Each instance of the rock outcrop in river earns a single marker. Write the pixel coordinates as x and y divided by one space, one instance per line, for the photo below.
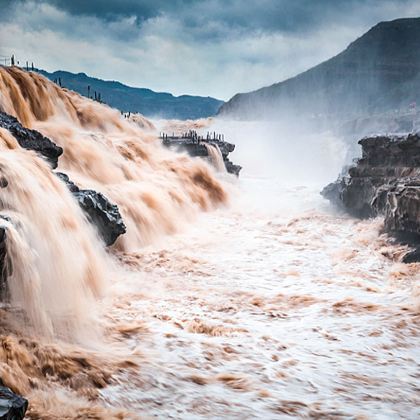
100 211
385 181
31 139
198 146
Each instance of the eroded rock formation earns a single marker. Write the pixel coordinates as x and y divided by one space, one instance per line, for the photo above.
196 147
385 181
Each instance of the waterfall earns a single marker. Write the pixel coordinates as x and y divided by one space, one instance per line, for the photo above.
216 156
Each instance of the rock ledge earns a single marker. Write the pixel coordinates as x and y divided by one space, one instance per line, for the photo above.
385 181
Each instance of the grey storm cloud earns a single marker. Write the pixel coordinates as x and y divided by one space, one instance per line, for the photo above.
111 10
262 15
207 47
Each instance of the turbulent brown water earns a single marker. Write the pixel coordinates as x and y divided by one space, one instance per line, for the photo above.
271 307
155 190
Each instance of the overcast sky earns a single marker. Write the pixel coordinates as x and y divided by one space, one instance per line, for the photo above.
200 47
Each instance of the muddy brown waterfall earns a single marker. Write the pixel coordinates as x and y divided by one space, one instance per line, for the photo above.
56 264
155 190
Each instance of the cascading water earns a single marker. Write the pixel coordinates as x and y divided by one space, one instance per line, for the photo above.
55 265
156 190
216 156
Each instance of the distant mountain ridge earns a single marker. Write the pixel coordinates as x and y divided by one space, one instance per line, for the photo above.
142 100
377 73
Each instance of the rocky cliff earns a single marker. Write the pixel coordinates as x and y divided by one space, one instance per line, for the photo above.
385 181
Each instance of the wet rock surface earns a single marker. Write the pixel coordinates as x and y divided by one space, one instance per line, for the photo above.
4 274
385 181
101 212
195 146
12 406
31 139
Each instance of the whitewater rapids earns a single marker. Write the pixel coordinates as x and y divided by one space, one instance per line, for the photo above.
253 315
272 305
276 307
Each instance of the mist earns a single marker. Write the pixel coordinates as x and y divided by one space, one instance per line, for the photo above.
291 155
372 86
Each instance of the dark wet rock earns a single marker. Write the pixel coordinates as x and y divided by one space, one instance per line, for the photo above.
231 167
353 195
100 211
195 146
402 211
391 151
104 215
385 181
4 291
70 184
31 139
412 256
12 406
333 191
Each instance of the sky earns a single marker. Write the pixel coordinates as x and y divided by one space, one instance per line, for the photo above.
199 47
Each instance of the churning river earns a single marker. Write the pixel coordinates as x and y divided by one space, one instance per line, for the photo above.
245 298
275 306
